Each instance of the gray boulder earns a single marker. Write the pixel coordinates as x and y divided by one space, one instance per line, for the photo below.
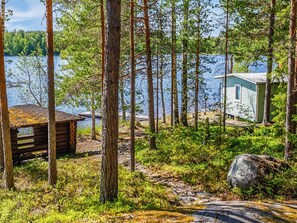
249 170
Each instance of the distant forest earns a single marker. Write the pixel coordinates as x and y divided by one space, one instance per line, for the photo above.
25 43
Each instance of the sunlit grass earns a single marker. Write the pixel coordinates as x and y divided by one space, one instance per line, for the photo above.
76 195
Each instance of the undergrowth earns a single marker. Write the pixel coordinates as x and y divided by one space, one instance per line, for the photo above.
204 161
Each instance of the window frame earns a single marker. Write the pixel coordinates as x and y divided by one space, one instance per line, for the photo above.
240 92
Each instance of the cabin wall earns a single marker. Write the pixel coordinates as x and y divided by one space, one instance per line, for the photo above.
36 143
246 107
14 143
63 138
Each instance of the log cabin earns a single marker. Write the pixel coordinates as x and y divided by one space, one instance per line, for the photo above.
29 132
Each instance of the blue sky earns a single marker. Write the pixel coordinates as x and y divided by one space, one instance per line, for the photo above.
29 15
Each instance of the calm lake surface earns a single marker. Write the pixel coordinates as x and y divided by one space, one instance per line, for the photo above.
211 66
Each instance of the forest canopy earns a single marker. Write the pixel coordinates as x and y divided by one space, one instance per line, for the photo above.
25 42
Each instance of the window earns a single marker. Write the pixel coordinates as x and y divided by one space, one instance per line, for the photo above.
237 92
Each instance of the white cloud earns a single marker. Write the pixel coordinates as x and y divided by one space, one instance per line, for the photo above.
35 12
27 15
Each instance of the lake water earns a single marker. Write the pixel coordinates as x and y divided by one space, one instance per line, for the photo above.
211 66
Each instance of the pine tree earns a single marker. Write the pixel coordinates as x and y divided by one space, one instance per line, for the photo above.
291 78
133 74
109 165
6 142
174 92
185 40
52 162
267 101
149 77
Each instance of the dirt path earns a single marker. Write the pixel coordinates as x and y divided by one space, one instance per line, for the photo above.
215 210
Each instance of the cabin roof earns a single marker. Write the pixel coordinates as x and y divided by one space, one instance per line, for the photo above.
32 115
255 78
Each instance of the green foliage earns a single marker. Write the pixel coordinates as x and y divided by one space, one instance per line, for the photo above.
76 195
22 42
80 84
184 153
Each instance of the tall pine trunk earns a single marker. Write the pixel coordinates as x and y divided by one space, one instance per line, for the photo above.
109 165
102 20
184 108
226 66
197 71
123 106
162 64
133 74
291 77
174 92
267 101
93 115
1 142
149 77
157 87
162 88
52 162
7 153
1 149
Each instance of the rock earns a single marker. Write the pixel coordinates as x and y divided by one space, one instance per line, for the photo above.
249 170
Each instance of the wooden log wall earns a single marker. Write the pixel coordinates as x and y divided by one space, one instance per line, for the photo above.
28 146
14 143
63 138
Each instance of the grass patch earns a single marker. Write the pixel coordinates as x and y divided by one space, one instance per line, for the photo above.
186 154
76 195
86 130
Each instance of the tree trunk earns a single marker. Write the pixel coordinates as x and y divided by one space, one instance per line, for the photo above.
52 162
174 92
1 149
1 142
291 77
93 129
149 77
184 109
102 20
267 101
197 71
133 74
226 65
7 153
109 165
162 64
231 64
157 88
124 117
162 89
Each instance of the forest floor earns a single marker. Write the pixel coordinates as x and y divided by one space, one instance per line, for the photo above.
183 181
191 200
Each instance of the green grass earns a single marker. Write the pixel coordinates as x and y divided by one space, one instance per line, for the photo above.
184 153
86 130
76 195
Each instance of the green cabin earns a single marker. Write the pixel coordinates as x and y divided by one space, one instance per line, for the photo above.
245 95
